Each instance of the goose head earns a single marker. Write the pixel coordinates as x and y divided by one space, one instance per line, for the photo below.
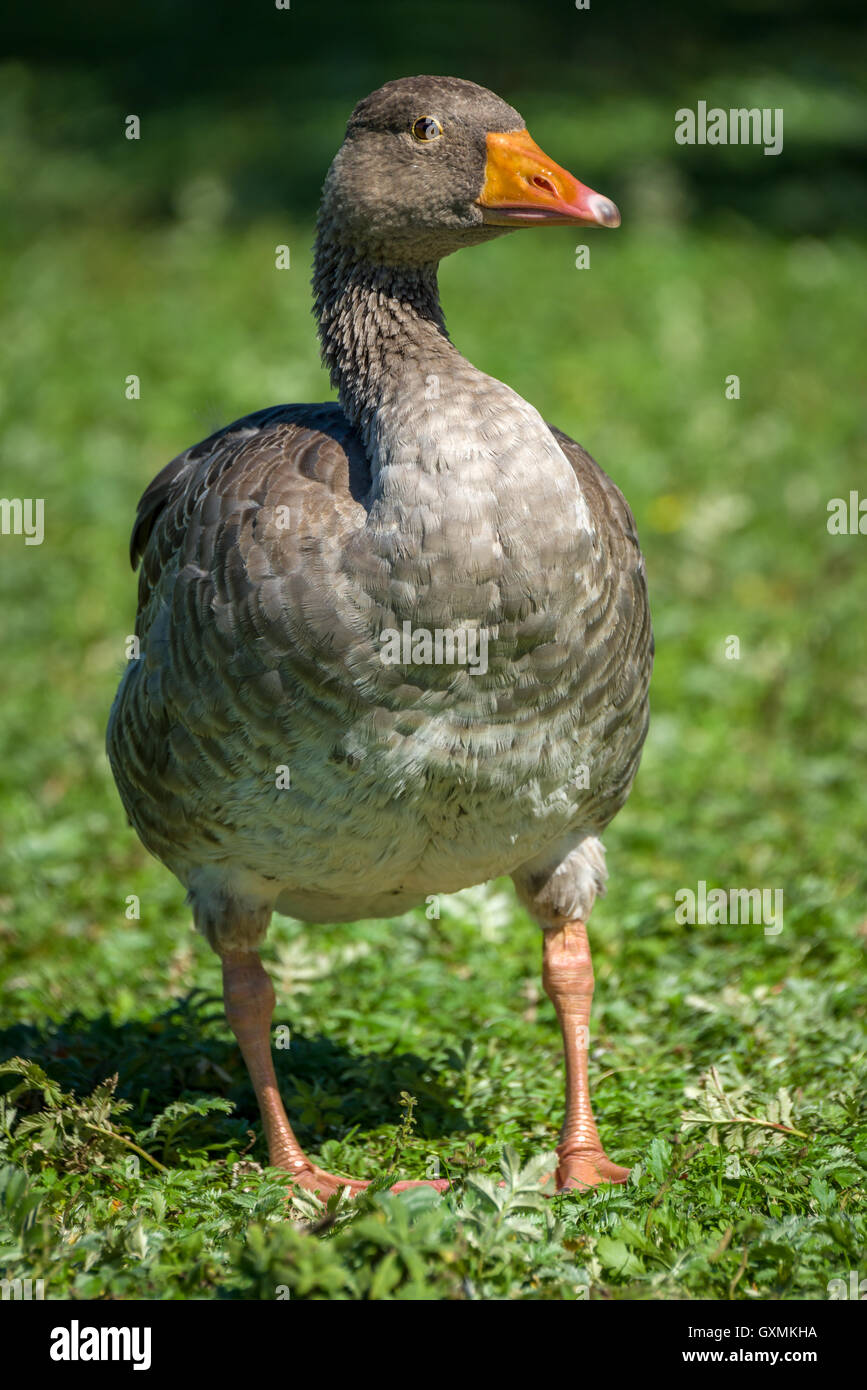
431 164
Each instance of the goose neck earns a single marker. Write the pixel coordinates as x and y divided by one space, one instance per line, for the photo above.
382 333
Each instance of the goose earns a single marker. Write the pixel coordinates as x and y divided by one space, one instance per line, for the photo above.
398 644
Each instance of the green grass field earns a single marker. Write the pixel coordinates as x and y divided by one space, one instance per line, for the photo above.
149 1185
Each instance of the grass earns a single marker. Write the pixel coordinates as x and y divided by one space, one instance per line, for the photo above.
417 1043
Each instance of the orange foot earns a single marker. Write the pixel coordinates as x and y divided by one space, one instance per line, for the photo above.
586 1168
324 1185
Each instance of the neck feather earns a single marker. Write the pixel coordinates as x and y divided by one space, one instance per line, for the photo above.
381 328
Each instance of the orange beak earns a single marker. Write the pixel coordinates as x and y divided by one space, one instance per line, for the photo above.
524 188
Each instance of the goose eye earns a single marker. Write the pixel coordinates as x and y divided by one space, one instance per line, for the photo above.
427 128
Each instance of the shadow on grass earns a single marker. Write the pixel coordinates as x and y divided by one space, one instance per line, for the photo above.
183 1054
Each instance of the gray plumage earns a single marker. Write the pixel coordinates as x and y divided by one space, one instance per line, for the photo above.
275 554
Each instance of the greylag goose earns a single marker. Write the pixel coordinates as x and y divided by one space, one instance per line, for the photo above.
399 645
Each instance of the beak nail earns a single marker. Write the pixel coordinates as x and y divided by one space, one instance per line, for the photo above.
604 211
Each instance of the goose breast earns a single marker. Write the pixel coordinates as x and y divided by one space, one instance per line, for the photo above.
263 737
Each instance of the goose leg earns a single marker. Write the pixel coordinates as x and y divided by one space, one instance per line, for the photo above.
567 976
249 999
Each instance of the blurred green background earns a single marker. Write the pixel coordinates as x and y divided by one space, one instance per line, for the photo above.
156 258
